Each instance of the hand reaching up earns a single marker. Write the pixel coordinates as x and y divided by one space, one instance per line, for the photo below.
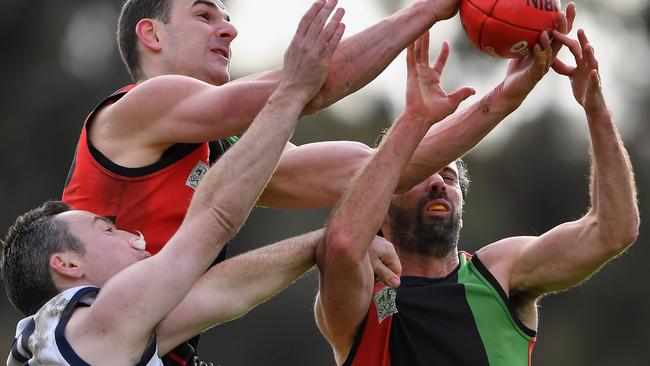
585 80
425 99
307 60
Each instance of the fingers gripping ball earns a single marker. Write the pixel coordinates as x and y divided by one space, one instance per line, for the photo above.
507 28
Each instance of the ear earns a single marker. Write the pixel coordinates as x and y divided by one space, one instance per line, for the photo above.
147 31
67 264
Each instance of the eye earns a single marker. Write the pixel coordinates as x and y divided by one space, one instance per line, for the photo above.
205 16
448 178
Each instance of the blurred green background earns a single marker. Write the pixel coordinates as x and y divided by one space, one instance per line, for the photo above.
60 60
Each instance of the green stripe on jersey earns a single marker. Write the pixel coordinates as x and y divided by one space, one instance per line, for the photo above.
505 343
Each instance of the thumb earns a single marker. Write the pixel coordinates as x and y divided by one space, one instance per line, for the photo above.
461 94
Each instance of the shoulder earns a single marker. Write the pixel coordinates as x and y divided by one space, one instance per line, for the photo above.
159 91
501 256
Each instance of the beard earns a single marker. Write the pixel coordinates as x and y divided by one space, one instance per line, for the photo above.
432 236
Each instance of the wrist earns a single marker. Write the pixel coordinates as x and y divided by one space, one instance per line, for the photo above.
293 93
598 114
436 13
423 13
498 101
414 121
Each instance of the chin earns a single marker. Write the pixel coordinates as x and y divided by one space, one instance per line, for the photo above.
219 78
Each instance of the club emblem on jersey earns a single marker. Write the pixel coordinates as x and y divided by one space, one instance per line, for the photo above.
196 175
385 303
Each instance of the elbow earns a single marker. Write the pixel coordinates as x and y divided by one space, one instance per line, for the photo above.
630 231
626 232
619 236
340 246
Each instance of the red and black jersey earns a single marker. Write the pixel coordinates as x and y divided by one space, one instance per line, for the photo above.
152 199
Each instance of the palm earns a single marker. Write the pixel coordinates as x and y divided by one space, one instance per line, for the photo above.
584 76
425 99
579 81
424 94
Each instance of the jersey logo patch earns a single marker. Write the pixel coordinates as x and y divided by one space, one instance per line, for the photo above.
385 303
196 175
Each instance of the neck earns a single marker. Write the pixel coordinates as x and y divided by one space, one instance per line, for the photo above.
415 264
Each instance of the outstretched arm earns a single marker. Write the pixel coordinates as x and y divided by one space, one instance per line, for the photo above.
346 277
461 131
314 175
177 109
236 286
135 300
363 56
571 252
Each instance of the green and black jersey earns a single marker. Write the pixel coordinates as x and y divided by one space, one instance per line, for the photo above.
462 319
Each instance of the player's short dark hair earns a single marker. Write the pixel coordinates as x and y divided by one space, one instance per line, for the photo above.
132 12
463 173
26 252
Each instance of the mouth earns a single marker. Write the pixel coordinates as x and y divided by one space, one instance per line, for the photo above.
221 52
438 206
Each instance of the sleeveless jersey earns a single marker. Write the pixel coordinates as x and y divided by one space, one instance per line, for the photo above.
40 338
151 199
462 319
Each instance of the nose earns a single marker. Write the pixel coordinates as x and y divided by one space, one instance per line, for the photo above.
227 31
436 183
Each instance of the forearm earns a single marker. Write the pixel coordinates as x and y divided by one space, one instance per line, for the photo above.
254 277
613 186
454 136
227 197
236 286
366 202
361 57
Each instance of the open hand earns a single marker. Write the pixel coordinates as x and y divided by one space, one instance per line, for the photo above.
307 60
585 80
425 99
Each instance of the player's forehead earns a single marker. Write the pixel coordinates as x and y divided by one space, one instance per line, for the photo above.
210 5
217 4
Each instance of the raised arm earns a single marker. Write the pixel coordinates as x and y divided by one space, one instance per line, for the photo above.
461 131
134 301
363 56
346 279
314 175
571 252
177 109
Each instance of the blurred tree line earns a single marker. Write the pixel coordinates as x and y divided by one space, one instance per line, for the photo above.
53 75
